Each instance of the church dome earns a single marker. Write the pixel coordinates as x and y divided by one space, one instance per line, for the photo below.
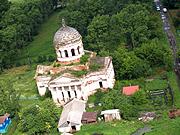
66 35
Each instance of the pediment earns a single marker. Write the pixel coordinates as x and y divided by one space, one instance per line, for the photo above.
65 79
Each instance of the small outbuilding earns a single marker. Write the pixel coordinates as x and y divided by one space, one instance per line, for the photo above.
5 121
130 90
70 120
89 117
110 115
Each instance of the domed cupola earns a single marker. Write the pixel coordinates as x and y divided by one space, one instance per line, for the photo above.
68 44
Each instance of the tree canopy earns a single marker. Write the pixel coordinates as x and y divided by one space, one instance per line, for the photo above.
39 118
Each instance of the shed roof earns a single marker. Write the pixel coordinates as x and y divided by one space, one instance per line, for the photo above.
3 118
110 111
72 113
130 90
89 116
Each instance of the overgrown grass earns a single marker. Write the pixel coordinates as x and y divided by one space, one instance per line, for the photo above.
22 79
111 128
165 126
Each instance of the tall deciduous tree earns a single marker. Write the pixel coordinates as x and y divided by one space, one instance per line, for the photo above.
127 65
133 21
155 54
98 32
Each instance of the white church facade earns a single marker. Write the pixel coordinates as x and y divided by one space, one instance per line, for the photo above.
61 81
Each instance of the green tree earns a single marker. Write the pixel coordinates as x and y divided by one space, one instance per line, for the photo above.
133 22
75 19
98 32
155 54
128 66
115 100
39 118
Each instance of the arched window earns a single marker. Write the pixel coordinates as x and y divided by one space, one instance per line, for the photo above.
72 52
66 53
60 53
78 49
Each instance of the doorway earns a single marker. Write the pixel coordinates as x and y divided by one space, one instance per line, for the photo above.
100 84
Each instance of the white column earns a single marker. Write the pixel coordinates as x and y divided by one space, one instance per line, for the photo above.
66 97
72 93
78 92
76 52
58 53
54 95
69 53
63 54
59 95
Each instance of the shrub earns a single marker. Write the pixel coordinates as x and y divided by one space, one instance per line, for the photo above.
94 67
84 59
79 73
155 54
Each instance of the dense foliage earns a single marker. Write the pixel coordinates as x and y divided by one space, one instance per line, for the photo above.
39 118
4 5
9 99
129 106
18 26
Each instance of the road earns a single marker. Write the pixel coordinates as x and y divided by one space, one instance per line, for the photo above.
170 35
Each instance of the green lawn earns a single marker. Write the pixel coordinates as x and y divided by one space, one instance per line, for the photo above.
111 128
22 79
165 126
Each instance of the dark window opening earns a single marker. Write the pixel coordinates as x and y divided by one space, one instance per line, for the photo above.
73 127
78 49
63 95
60 53
100 84
69 94
75 93
73 52
66 53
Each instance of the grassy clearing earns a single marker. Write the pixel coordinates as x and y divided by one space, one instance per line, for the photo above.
22 79
165 126
111 128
